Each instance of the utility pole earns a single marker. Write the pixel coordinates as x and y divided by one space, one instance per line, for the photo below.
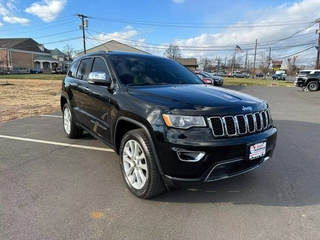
245 63
84 24
233 61
254 59
318 47
269 60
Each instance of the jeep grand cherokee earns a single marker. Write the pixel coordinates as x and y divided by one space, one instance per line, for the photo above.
167 127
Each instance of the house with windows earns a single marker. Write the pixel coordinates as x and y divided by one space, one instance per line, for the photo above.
21 54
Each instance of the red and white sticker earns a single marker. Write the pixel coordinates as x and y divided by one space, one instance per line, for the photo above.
257 150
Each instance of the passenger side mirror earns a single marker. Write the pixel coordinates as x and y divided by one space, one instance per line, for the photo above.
99 78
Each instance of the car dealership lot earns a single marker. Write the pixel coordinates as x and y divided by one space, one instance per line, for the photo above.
52 187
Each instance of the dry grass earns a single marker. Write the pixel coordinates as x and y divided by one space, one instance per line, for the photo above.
28 97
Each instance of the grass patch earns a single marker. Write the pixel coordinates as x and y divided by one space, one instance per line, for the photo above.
256 82
39 76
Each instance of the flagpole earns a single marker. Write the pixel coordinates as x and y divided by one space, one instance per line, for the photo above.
233 60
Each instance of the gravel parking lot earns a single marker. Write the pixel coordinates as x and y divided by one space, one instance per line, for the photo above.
52 187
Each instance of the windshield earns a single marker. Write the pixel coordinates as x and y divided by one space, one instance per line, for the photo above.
146 70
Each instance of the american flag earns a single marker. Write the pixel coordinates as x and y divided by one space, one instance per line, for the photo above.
238 49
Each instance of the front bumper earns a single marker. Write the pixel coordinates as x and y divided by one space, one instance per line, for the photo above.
222 159
299 83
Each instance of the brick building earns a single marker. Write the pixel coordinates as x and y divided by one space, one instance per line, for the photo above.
21 54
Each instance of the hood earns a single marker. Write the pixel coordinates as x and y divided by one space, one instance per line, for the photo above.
198 97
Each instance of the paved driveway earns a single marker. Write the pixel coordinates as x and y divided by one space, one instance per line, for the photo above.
52 187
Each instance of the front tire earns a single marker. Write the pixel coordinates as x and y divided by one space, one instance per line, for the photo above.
138 165
313 86
70 128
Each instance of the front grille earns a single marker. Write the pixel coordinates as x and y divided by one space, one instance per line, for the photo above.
237 125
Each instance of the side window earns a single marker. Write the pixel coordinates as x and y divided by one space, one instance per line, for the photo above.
73 69
84 69
317 73
99 65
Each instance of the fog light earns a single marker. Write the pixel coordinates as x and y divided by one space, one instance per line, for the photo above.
189 156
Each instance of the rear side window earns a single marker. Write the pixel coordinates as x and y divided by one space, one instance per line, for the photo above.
73 69
84 69
315 73
304 72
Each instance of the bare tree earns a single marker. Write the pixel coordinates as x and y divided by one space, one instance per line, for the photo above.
173 52
69 51
292 67
206 64
265 62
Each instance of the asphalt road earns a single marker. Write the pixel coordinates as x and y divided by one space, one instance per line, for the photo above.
52 187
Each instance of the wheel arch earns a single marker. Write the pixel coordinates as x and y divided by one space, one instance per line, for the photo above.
312 80
125 124
63 100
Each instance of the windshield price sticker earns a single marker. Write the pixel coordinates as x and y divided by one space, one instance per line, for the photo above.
257 150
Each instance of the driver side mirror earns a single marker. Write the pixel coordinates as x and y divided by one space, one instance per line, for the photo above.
99 78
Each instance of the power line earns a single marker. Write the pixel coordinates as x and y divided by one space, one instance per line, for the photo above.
201 25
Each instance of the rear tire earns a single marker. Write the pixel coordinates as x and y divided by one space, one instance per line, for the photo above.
313 86
70 128
138 165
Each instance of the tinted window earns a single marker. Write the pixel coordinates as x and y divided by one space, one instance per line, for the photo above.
99 65
73 69
155 70
84 69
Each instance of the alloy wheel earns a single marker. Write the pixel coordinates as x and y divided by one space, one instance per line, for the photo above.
135 164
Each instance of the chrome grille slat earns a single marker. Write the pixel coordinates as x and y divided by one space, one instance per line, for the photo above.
241 124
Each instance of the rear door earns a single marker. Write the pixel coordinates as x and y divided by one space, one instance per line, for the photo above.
81 92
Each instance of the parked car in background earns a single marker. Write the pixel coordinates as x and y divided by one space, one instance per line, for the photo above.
35 70
205 79
221 74
59 70
279 76
259 74
208 78
239 75
308 80
218 81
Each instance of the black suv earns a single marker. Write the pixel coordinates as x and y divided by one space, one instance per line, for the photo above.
167 127
308 80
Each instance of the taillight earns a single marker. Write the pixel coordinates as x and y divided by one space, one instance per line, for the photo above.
207 80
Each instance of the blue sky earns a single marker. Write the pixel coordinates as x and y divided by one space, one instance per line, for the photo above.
200 28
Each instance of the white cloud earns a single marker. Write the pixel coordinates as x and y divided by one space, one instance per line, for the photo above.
275 27
47 10
3 10
16 20
178 1
7 11
123 37
11 5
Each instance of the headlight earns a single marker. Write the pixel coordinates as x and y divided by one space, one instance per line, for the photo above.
184 122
